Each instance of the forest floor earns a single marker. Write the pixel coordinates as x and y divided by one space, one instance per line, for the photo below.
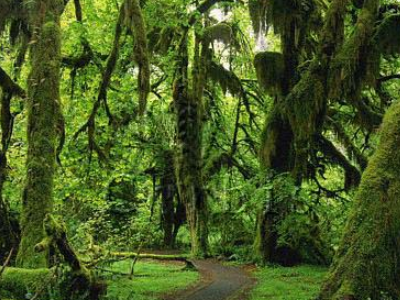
295 283
218 282
215 280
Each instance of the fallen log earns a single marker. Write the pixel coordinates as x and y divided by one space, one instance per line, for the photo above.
183 258
161 257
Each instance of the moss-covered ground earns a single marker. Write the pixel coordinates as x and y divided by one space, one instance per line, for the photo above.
153 279
297 283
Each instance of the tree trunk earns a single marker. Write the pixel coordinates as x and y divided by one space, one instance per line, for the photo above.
168 193
189 178
43 112
278 154
366 264
8 231
188 108
179 219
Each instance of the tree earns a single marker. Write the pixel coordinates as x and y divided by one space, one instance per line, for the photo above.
339 67
44 115
365 264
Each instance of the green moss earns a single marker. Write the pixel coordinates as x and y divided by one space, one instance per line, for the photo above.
43 109
367 259
270 71
135 21
354 67
279 14
17 283
221 32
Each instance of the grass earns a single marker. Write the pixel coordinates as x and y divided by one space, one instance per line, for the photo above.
152 281
297 283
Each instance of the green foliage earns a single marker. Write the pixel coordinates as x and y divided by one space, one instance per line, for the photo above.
114 202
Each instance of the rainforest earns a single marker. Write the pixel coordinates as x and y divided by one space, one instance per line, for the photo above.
200 149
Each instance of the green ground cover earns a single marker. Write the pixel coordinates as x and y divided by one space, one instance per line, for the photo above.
151 282
297 283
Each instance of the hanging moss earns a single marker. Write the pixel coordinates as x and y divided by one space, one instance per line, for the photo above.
258 14
277 152
227 80
160 42
281 13
135 21
306 104
387 35
366 264
270 71
355 65
221 32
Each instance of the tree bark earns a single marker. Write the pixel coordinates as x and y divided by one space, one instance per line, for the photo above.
43 112
366 264
8 230
188 107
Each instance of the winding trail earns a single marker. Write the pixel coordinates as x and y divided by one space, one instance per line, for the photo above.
218 282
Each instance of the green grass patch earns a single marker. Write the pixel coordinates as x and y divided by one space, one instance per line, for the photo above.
153 280
297 283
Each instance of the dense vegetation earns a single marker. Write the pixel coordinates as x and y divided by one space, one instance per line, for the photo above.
255 131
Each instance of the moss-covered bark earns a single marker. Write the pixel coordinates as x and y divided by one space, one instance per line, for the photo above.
135 20
277 149
78 282
189 176
173 210
300 106
189 157
43 111
366 264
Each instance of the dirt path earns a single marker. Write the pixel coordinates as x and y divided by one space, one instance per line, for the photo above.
218 282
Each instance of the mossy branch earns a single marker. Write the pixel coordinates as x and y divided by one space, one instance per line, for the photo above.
9 86
134 19
352 174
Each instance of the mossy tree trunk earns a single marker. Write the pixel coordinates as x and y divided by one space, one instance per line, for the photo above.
173 211
43 113
366 264
189 156
278 135
298 113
